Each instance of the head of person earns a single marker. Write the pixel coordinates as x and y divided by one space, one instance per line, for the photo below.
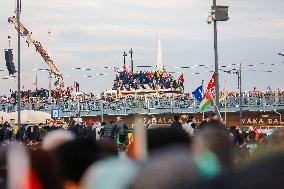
216 140
160 138
55 139
190 119
262 139
277 138
214 116
176 117
251 136
207 117
77 155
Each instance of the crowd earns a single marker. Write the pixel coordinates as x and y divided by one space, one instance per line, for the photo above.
145 80
112 155
70 95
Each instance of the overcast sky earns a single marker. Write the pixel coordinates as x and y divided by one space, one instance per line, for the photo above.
95 33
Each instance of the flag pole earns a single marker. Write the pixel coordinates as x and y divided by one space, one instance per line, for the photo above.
203 115
218 110
225 101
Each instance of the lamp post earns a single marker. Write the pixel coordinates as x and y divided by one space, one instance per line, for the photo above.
241 96
131 55
219 13
49 83
217 90
124 61
239 74
18 12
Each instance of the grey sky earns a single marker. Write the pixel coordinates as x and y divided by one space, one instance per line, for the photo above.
94 33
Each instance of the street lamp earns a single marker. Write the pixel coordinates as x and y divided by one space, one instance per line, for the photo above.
49 84
18 12
219 13
239 74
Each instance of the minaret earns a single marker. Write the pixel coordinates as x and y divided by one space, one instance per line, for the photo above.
160 65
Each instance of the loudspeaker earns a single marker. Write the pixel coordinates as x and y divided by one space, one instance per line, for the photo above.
9 61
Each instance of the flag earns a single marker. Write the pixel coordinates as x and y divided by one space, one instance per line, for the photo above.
124 67
254 88
208 99
198 93
171 78
181 88
181 79
223 93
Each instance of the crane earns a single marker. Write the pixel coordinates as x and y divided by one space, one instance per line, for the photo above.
39 48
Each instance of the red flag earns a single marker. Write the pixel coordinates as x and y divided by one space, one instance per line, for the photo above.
254 88
211 87
124 67
181 78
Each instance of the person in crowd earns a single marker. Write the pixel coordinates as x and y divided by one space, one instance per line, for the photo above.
33 133
262 139
21 134
74 128
77 155
110 173
56 138
1 133
217 141
84 131
100 130
277 138
204 123
121 131
251 145
170 160
109 131
215 117
177 124
190 126
8 132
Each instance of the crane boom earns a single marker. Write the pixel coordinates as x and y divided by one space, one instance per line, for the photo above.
39 48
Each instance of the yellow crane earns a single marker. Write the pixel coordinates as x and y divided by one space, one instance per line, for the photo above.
39 48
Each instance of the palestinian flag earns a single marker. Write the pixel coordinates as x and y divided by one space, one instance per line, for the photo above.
208 98
207 101
181 86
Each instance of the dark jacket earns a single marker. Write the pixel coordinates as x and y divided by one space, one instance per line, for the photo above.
108 130
121 128
176 125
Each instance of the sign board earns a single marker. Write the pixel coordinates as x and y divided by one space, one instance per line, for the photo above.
55 114
221 13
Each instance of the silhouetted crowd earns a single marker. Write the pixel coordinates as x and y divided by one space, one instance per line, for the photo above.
115 155
145 80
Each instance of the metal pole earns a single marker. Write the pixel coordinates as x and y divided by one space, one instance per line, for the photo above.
217 90
132 65
225 102
18 12
241 97
203 115
9 38
36 80
50 98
